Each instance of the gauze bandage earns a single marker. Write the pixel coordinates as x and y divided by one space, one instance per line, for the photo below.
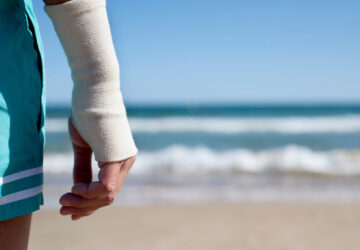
97 110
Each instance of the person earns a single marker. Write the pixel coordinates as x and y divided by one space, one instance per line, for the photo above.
97 122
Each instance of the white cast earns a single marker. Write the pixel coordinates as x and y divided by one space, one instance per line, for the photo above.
97 111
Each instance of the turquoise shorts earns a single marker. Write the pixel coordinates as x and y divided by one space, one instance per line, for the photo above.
22 110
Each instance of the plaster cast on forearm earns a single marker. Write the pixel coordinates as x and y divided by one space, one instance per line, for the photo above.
98 111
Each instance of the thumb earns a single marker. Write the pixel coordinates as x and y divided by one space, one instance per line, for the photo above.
109 175
82 172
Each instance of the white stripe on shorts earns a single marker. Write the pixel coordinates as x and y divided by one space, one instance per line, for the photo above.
21 195
20 175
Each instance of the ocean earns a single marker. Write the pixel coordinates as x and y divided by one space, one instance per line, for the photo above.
226 153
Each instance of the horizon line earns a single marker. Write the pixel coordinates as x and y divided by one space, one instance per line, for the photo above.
222 104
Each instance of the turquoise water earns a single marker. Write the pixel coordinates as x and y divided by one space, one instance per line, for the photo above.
254 110
258 152
221 128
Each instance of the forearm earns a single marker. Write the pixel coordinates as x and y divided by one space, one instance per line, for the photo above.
98 111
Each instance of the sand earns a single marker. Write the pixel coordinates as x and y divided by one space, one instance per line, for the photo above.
248 226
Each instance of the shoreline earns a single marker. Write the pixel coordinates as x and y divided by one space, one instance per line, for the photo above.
250 226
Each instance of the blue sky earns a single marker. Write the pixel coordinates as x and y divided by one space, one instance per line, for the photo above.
197 51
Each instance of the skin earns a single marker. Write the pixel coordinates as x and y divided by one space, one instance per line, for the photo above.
14 233
85 197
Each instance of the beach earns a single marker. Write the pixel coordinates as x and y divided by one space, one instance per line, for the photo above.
222 178
249 226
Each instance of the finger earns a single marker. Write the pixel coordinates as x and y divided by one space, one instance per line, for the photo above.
127 165
82 172
77 211
109 175
129 161
112 174
76 217
124 170
82 156
75 136
72 200
93 190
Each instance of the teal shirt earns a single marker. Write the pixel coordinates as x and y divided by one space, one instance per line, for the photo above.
22 109
38 41
22 88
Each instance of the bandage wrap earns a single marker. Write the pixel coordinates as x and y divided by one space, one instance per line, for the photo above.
97 109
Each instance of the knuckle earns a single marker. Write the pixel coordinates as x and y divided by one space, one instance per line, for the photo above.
85 195
109 188
76 190
109 199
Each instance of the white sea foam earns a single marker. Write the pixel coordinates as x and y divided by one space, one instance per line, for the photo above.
56 125
181 160
231 125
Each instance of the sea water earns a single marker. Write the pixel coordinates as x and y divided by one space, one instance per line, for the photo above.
227 153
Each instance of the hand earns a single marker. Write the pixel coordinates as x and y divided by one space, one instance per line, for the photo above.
87 196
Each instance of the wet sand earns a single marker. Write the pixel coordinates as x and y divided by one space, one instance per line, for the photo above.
245 226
